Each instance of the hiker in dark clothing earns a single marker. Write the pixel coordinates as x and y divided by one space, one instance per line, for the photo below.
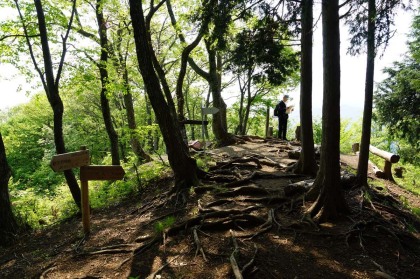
283 116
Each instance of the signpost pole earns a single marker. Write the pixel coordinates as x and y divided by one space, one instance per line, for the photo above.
67 161
85 205
85 200
202 128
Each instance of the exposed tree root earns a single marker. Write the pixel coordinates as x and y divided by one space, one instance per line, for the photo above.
382 272
220 202
244 190
49 268
112 249
266 227
219 209
154 203
240 161
233 262
246 268
198 244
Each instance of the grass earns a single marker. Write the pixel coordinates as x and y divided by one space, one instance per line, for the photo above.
38 209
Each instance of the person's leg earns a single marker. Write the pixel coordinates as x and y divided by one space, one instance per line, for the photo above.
284 129
279 131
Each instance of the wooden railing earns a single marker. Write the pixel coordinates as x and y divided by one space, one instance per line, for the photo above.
389 159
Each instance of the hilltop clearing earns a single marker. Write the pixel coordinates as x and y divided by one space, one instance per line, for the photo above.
245 219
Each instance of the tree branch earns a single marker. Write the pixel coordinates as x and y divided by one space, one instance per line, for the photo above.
191 61
17 36
31 52
64 51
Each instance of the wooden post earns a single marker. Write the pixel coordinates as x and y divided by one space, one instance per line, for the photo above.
85 201
267 121
298 133
355 147
270 131
85 206
387 170
81 159
91 172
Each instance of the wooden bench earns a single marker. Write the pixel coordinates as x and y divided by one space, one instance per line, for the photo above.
389 158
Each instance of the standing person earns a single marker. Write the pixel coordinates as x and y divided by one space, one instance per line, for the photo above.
280 111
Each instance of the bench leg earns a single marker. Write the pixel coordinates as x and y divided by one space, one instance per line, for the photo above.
387 171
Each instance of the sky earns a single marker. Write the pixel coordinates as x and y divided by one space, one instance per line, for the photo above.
352 73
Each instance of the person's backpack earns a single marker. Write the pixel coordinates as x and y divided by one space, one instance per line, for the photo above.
276 110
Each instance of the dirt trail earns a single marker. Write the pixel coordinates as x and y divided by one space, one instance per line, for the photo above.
242 219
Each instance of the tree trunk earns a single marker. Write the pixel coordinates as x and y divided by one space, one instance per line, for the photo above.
134 140
239 128
249 101
131 119
51 89
184 167
8 225
330 203
150 134
306 163
362 167
106 111
213 77
219 124
121 64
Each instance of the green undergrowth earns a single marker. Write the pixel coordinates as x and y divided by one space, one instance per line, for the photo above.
38 209
410 179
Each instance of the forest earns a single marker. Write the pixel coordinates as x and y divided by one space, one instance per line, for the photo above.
175 93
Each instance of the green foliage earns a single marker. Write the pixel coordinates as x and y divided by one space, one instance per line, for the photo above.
261 50
358 19
317 127
166 223
397 100
410 179
350 132
28 137
37 209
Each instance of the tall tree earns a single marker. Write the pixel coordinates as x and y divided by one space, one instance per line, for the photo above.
8 225
113 50
370 28
306 163
212 76
184 167
103 71
330 202
262 56
362 167
51 83
120 58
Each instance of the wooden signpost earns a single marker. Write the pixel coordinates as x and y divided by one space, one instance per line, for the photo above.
66 161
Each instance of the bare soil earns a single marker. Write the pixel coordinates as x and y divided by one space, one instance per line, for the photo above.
245 219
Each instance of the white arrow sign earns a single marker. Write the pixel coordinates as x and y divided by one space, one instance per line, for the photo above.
210 110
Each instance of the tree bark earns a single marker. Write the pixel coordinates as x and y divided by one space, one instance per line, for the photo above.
106 111
330 203
213 77
120 61
51 89
362 167
184 167
306 163
219 124
8 225
239 129
131 119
